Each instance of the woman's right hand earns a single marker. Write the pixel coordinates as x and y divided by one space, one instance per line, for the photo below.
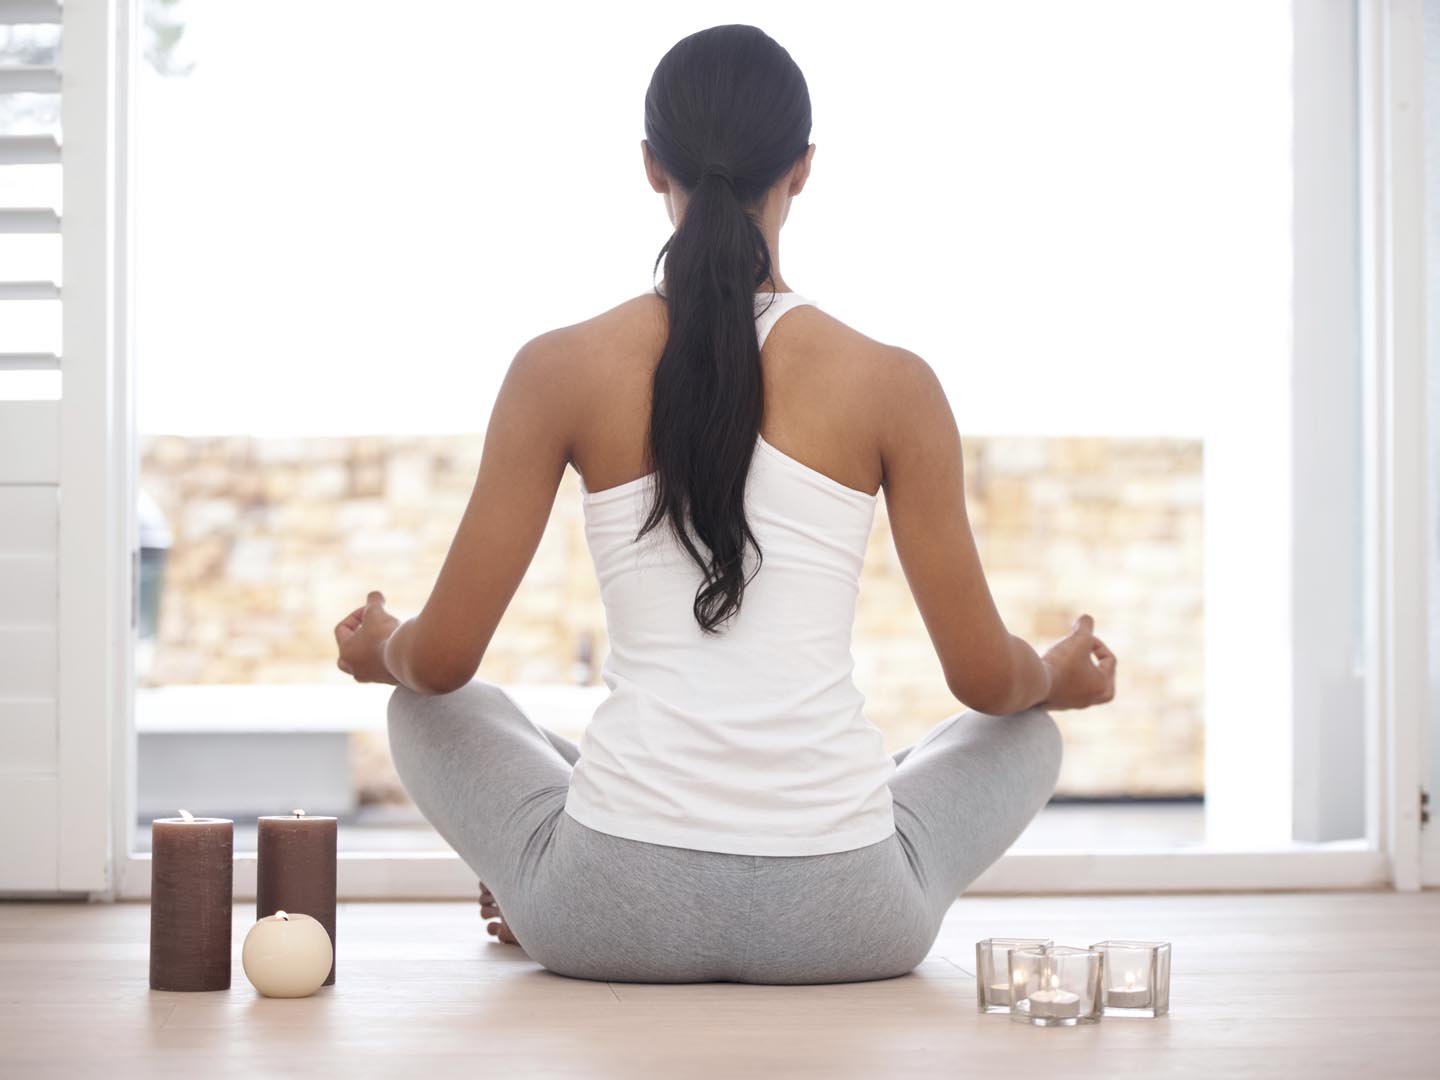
1081 668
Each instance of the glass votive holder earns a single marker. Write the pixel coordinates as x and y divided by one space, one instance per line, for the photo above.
992 970
1055 986
1137 977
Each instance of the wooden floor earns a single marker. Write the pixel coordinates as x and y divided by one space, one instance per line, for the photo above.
1328 984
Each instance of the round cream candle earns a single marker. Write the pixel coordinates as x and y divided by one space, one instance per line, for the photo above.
287 955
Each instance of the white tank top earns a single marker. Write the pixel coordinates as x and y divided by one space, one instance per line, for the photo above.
755 741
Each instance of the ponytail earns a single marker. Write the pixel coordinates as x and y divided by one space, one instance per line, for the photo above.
734 91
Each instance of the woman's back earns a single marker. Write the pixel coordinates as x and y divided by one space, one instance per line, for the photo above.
754 740
823 385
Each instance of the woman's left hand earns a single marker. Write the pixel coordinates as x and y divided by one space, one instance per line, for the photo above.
361 636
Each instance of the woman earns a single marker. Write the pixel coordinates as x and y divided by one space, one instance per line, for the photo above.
730 813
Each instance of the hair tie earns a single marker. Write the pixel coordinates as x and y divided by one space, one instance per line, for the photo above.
716 169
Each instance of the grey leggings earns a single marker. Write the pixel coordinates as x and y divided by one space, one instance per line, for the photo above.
594 906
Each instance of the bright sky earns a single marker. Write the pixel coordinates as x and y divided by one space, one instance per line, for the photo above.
349 221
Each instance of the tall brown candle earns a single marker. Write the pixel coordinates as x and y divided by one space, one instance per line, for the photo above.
191 878
296 870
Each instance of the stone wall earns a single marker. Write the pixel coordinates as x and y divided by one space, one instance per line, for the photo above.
276 539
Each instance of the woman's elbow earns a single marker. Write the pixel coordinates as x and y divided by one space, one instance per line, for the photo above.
988 694
440 676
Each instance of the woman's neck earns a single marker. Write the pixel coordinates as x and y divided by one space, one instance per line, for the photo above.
779 286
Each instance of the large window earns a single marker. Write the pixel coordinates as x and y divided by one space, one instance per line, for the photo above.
350 216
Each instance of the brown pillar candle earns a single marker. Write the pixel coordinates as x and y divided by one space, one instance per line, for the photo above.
192 873
296 870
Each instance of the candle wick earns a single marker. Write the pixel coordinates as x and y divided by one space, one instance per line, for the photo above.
186 815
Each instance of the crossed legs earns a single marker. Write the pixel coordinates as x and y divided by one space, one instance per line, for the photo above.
493 783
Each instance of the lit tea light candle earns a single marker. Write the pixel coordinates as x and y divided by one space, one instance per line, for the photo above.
1054 1003
287 955
1001 994
1133 995
992 972
1137 977
1055 985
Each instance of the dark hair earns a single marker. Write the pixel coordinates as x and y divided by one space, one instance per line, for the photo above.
727 113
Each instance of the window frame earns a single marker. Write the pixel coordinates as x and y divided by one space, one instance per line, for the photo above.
1389 163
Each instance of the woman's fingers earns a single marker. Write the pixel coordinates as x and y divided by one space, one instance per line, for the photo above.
1106 663
1106 658
348 625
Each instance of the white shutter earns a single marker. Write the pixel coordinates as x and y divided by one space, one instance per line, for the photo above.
57 452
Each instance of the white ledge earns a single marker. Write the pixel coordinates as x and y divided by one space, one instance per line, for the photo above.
309 708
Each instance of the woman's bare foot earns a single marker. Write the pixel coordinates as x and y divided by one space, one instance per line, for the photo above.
489 909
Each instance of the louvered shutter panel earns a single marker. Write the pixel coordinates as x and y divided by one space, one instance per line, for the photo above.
56 425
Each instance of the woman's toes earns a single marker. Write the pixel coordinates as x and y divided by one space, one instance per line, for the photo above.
489 909
502 931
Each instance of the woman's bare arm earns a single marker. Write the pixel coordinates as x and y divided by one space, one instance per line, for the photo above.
986 667
526 450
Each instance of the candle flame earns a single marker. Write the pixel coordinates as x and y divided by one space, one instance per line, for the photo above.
185 815
298 813
282 915
1129 980
1020 977
1054 982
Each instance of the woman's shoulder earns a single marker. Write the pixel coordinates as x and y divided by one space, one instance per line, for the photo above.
622 327
589 346
838 356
